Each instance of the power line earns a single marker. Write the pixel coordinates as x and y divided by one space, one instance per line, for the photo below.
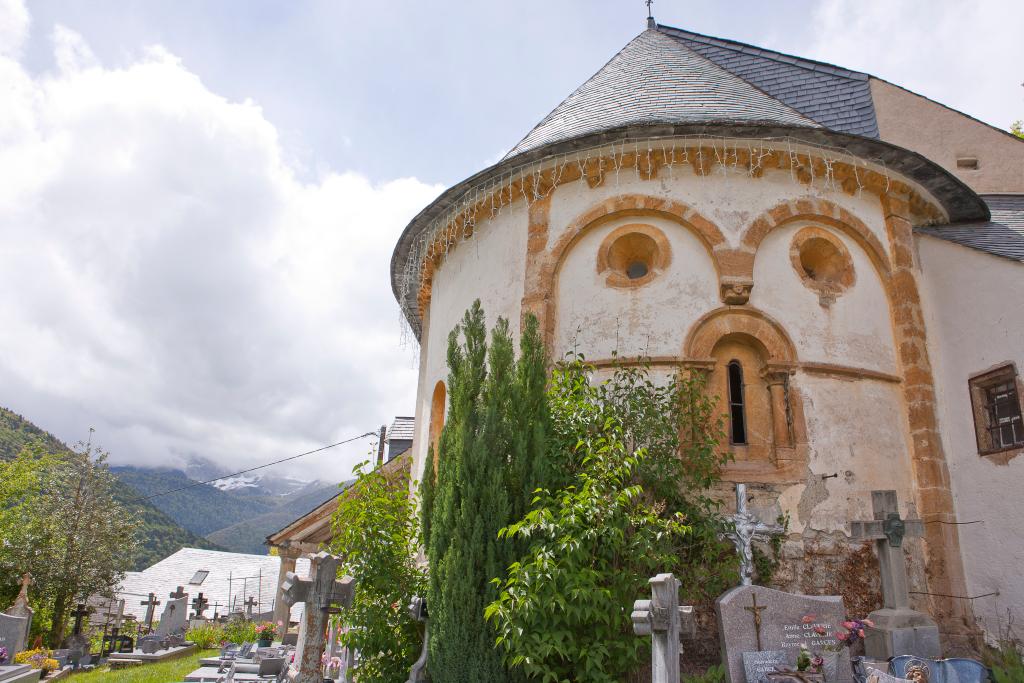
253 469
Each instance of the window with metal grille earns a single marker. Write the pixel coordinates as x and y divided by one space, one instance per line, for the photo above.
995 397
737 409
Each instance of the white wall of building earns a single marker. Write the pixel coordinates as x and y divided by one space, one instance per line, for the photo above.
975 320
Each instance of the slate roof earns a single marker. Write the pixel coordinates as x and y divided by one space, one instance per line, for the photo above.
658 79
836 98
253 575
401 429
1002 236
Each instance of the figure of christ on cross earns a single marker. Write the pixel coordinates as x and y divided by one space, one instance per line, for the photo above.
756 610
746 528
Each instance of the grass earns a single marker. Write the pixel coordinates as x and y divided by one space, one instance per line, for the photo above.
164 672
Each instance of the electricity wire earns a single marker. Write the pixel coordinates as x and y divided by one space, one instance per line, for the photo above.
253 469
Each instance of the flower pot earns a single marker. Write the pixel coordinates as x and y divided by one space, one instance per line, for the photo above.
264 642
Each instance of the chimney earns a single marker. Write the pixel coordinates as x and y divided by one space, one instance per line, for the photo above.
380 445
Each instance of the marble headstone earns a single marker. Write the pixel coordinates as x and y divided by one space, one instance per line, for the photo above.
757 664
13 632
174 617
787 621
19 673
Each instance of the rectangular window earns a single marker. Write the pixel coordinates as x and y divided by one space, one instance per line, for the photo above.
995 397
199 577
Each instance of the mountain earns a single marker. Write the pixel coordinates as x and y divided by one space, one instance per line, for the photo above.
248 535
159 534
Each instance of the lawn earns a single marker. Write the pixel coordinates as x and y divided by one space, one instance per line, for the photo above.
164 672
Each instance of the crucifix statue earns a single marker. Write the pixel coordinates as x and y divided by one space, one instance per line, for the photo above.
898 629
150 604
756 610
747 527
199 604
661 618
320 592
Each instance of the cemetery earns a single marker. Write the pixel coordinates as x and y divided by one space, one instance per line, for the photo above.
717 381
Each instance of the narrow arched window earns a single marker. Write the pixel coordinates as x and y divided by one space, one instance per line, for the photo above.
737 409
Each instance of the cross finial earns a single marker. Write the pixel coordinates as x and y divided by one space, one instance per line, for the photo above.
651 23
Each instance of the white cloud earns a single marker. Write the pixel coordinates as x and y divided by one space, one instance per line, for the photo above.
14 22
967 55
167 279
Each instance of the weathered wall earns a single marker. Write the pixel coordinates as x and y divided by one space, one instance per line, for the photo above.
975 320
943 134
842 360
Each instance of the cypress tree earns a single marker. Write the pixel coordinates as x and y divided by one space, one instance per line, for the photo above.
490 456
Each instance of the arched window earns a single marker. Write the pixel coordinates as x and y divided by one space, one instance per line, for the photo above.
737 409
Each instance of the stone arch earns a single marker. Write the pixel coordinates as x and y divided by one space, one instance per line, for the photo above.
747 322
819 211
625 205
438 403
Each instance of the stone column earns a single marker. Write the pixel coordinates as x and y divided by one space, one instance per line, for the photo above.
931 473
776 381
281 609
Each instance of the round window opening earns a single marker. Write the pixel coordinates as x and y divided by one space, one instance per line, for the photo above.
823 263
633 255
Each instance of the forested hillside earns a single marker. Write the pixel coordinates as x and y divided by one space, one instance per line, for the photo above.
159 534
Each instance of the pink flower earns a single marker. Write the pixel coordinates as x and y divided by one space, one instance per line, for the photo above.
849 625
841 636
868 622
820 630
860 633
808 618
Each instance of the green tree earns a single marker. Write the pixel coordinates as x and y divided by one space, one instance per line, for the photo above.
636 458
73 536
1017 128
490 454
376 535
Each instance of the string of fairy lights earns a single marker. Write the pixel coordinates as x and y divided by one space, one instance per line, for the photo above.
533 181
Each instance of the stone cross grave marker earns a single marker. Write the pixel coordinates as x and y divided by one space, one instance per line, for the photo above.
150 604
77 643
756 619
898 629
249 605
746 528
319 592
418 611
179 592
199 604
661 618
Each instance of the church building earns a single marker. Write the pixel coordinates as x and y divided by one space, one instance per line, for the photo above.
842 256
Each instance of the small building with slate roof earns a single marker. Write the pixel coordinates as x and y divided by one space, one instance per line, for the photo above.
842 256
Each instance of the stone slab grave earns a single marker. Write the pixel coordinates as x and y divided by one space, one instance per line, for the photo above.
13 632
757 619
898 630
19 673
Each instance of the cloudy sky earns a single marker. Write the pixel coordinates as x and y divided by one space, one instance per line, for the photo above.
198 200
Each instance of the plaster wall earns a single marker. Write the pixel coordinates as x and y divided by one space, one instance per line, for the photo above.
730 201
975 321
855 330
943 135
489 267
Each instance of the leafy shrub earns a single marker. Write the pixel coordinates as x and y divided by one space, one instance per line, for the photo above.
1006 662
206 635
240 631
39 658
715 674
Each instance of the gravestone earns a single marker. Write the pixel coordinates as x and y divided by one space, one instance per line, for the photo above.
757 619
174 618
320 592
19 673
249 605
199 605
757 664
21 608
13 634
77 643
898 630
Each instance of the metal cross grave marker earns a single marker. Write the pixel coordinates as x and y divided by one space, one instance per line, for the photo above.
746 527
199 604
81 611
